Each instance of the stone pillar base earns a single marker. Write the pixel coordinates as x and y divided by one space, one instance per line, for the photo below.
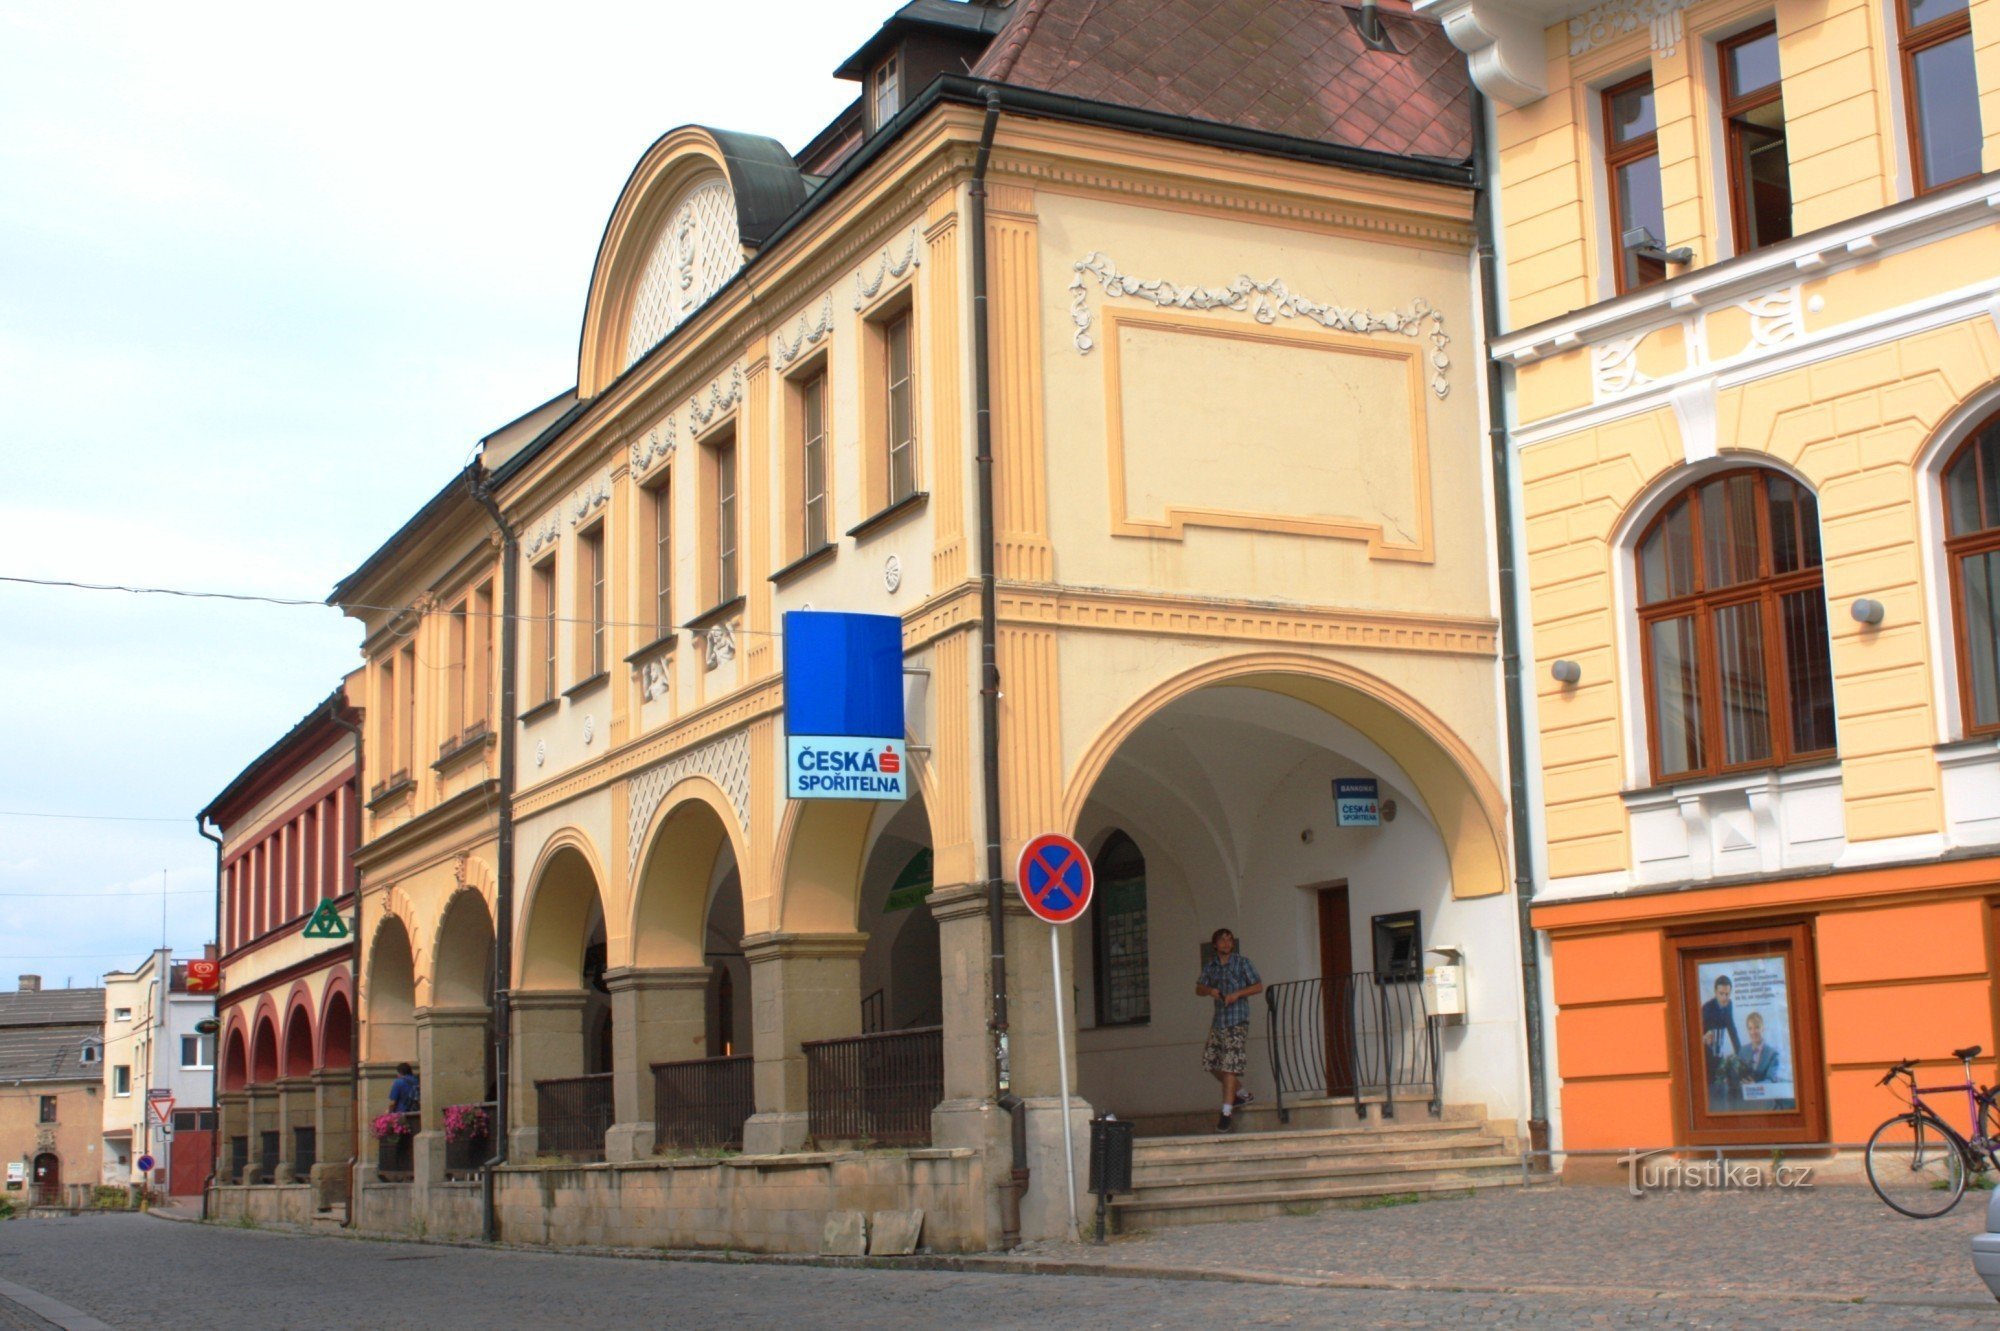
774 1134
626 1142
1045 1208
252 1173
523 1144
329 1186
427 1156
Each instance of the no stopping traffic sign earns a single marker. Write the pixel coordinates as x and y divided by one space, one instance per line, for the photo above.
1055 878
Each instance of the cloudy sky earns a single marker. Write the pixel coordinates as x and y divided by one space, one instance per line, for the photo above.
266 275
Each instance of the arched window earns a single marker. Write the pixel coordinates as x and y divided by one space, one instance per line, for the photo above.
1732 627
1972 546
1124 949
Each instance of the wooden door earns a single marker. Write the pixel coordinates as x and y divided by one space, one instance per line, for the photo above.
1336 970
48 1180
193 1156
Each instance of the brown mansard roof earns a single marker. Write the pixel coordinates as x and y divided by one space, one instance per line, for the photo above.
1293 67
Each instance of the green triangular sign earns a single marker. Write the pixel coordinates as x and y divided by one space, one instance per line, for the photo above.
326 922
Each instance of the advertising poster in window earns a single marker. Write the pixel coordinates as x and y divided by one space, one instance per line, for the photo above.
1746 1035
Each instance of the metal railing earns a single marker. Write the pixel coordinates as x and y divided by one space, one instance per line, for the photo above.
875 1088
875 1012
465 1156
701 1104
1360 1036
267 1156
395 1155
573 1114
305 1151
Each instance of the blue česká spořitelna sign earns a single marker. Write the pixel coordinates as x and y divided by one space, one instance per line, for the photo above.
844 707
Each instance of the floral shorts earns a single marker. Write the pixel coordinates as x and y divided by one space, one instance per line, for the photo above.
1226 1049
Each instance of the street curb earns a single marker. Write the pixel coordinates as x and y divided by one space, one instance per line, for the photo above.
978 1264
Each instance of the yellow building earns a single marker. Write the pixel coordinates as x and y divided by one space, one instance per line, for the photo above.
1751 269
51 1112
1192 374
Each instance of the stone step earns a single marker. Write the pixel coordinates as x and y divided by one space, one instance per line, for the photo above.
1138 1212
1221 1165
1245 1143
1262 1115
1387 1176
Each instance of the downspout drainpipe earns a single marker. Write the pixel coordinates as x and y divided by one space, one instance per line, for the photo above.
215 1073
1501 451
354 1106
503 889
989 686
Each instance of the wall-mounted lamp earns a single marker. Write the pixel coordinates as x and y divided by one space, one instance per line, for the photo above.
1566 672
1867 611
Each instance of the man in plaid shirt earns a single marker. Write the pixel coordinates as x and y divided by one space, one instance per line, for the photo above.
1232 982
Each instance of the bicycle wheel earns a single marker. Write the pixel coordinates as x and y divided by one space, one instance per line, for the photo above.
1914 1165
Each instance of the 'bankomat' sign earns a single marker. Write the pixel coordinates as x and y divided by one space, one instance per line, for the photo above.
844 707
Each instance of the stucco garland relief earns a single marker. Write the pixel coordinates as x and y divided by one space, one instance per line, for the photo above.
589 497
1265 301
724 760
808 333
886 267
1611 20
1777 317
658 444
543 536
719 400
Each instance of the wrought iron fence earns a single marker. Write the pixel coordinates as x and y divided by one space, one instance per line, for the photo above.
573 1114
878 1088
1358 1036
701 1104
267 1156
875 1012
305 1151
467 1154
395 1156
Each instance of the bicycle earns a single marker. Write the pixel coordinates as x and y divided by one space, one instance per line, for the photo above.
1917 1163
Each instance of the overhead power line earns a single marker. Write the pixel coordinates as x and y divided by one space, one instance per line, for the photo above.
94 817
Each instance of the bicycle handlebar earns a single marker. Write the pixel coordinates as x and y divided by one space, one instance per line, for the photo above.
1902 1069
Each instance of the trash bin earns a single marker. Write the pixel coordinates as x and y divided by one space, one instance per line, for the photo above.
1110 1163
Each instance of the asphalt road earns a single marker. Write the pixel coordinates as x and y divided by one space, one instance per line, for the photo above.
130 1272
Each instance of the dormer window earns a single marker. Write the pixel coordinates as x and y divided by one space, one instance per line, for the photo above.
885 93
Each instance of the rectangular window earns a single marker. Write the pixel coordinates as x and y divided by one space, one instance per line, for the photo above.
900 416
48 1109
1677 744
722 514
1940 91
197 1051
121 1014
662 496
479 672
121 1079
590 589
885 92
1753 116
1123 960
542 642
406 713
1632 165
812 466
458 647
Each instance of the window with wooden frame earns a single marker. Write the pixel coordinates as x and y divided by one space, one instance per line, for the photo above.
659 554
480 627
542 638
1940 91
720 574
1122 943
1632 173
885 93
406 709
457 649
1972 548
1732 628
1748 1059
807 481
592 638
1753 124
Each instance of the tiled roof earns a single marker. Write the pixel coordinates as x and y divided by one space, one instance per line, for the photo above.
52 1007
46 1053
1293 67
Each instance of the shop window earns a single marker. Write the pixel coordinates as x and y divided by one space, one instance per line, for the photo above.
1972 549
1753 117
1940 91
1121 941
1632 168
542 642
1732 628
1399 946
1749 1053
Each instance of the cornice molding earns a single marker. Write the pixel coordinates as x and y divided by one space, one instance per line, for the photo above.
1239 621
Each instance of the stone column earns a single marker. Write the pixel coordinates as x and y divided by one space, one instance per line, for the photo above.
802 987
451 1049
263 1118
658 1015
295 1110
333 1110
372 1089
232 1121
548 1042
1031 1017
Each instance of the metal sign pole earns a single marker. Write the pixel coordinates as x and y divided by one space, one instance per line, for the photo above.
1062 1065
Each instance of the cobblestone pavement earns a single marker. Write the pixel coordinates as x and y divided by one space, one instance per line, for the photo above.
134 1271
1837 1240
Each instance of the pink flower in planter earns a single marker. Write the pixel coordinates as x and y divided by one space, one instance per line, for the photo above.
465 1123
391 1124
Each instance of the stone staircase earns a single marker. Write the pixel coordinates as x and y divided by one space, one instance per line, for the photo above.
1326 1155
